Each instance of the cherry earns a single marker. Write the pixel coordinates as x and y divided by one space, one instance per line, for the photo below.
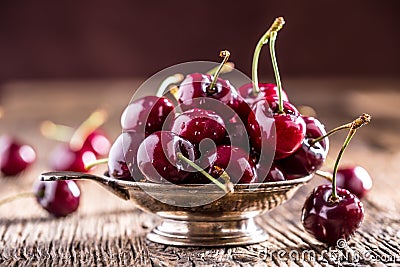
267 90
63 158
330 213
329 220
196 125
290 129
308 157
158 160
15 156
97 142
272 174
209 92
232 160
117 167
236 135
261 130
356 179
59 198
147 115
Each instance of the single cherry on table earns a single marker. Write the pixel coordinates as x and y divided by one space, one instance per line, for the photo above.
15 156
331 213
59 198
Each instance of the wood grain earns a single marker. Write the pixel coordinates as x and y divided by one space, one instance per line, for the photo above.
107 231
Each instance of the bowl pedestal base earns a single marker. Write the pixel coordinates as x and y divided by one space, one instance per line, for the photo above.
208 233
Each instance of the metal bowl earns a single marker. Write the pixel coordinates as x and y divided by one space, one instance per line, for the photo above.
228 220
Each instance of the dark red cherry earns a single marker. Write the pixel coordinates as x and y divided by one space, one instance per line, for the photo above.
307 158
233 160
198 124
262 132
267 90
59 198
63 158
272 174
195 92
98 142
15 156
117 167
356 179
290 128
236 135
147 115
158 161
328 220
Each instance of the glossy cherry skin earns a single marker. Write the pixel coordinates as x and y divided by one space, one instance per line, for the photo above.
15 156
272 174
63 158
233 160
197 124
147 115
307 159
327 220
117 167
195 92
158 161
267 90
356 179
236 135
262 132
98 143
59 198
290 128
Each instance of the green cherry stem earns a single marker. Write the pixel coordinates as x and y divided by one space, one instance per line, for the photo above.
275 27
225 54
225 187
15 197
226 68
324 174
95 163
276 69
357 123
364 119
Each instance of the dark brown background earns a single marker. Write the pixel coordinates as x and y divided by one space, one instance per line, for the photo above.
64 39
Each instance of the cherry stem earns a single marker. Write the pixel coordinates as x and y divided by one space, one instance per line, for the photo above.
167 82
94 121
324 174
225 54
357 123
276 70
56 132
225 187
95 163
275 27
226 68
15 197
362 120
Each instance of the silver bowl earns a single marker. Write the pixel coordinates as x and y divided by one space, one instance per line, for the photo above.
226 221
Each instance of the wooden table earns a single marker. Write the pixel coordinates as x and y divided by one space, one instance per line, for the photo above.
108 231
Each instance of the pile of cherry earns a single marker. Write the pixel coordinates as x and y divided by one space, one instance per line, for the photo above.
205 130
